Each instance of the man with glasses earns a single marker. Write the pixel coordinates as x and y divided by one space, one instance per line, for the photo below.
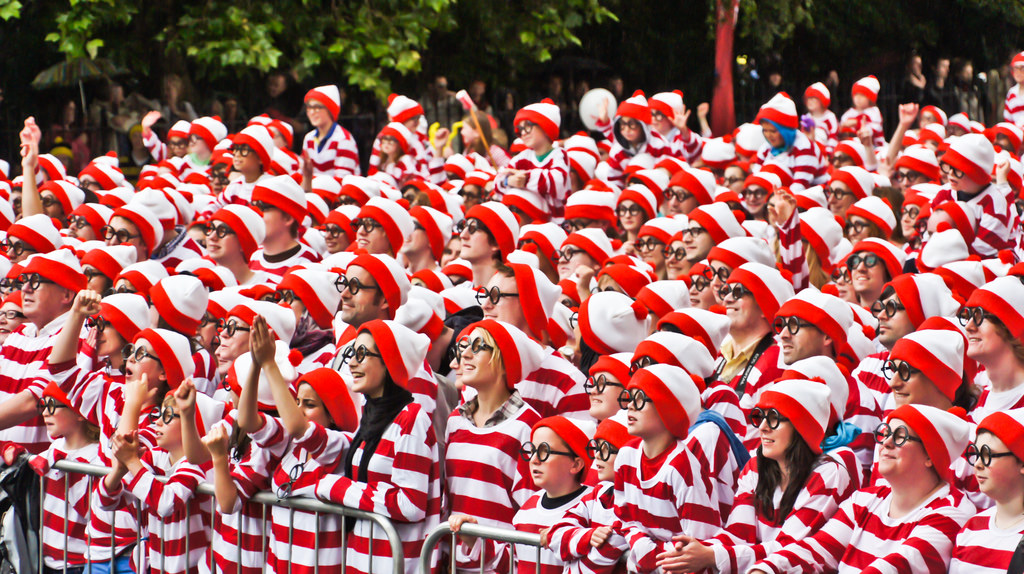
284 206
251 152
50 283
968 164
540 168
489 233
31 235
328 149
917 164
233 235
906 302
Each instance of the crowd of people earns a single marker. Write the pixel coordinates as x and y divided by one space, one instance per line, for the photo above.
798 347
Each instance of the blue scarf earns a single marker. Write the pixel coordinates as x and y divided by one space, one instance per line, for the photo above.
845 433
788 137
738 451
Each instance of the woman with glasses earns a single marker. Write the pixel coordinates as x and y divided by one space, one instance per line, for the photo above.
486 480
785 493
11 315
540 167
870 217
995 339
631 135
988 541
702 296
584 538
677 266
652 239
398 153
848 184
907 526
636 206
757 189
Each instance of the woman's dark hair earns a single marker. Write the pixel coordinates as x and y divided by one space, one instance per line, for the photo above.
483 133
801 461
588 356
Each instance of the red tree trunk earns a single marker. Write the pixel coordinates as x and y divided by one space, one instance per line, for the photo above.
723 108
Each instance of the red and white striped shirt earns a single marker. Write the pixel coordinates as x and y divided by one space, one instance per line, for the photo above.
792 254
238 192
334 155
862 538
1013 106
991 401
23 359
869 374
258 262
995 214
714 453
826 130
547 177
556 388
173 510
534 516
804 159
676 497
871 116
984 548
687 148
177 250
484 475
619 158
748 536
403 484
308 458
570 536
68 511
403 170
722 399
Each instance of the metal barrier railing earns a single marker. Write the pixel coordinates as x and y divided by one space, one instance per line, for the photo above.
264 498
479 531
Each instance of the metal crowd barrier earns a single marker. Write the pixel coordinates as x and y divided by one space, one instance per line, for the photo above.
479 531
265 498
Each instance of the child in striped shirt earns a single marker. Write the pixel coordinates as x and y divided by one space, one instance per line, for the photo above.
988 541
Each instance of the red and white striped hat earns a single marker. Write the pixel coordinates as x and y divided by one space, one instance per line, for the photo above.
280 319
242 367
611 322
359 188
859 180
537 296
460 268
737 251
284 193
700 183
180 300
615 364
544 114
941 248
780 109
575 432
669 348
107 176
708 327
68 194
828 313
655 180
668 103
805 404
673 393
820 91
972 154
939 115
60 266
433 279
1004 298
402 135
771 290
582 163
110 259
854 150
823 233
1006 425
259 139
588 204
920 159
640 195
501 222
143 275
937 355
944 434
327 187
580 141
547 236
614 430
315 288
402 108
1011 131
159 204
719 220
964 218
174 352
592 240
718 153
329 96
49 164
520 354
402 349
932 132
635 107
397 223
632 276
437 226
390 277
824 369
423 313
892 256
38 231
749 138
317 208
963 277
924 295
661 228
284 162
210 129
459 166
97 215
877 210
868 87
247 224
665 296
128 313
529 203
961 121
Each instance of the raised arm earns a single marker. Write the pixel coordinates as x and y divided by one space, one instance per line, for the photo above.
249 420
261 345
65 344
31 203
185 401
224 490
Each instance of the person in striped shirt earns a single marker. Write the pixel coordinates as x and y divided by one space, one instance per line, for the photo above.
660 488
1013 105
907 526
988 541
788 491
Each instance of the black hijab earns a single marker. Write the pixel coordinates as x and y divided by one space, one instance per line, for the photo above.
378 414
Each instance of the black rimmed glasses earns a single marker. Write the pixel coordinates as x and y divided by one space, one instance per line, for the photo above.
900 435
542 451
984 454
353 285
635 398
494 295
791 324
599 449
903 370
772 416
598 384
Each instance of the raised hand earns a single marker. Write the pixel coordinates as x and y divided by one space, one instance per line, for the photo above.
185 398
216 441
261 343
908 113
